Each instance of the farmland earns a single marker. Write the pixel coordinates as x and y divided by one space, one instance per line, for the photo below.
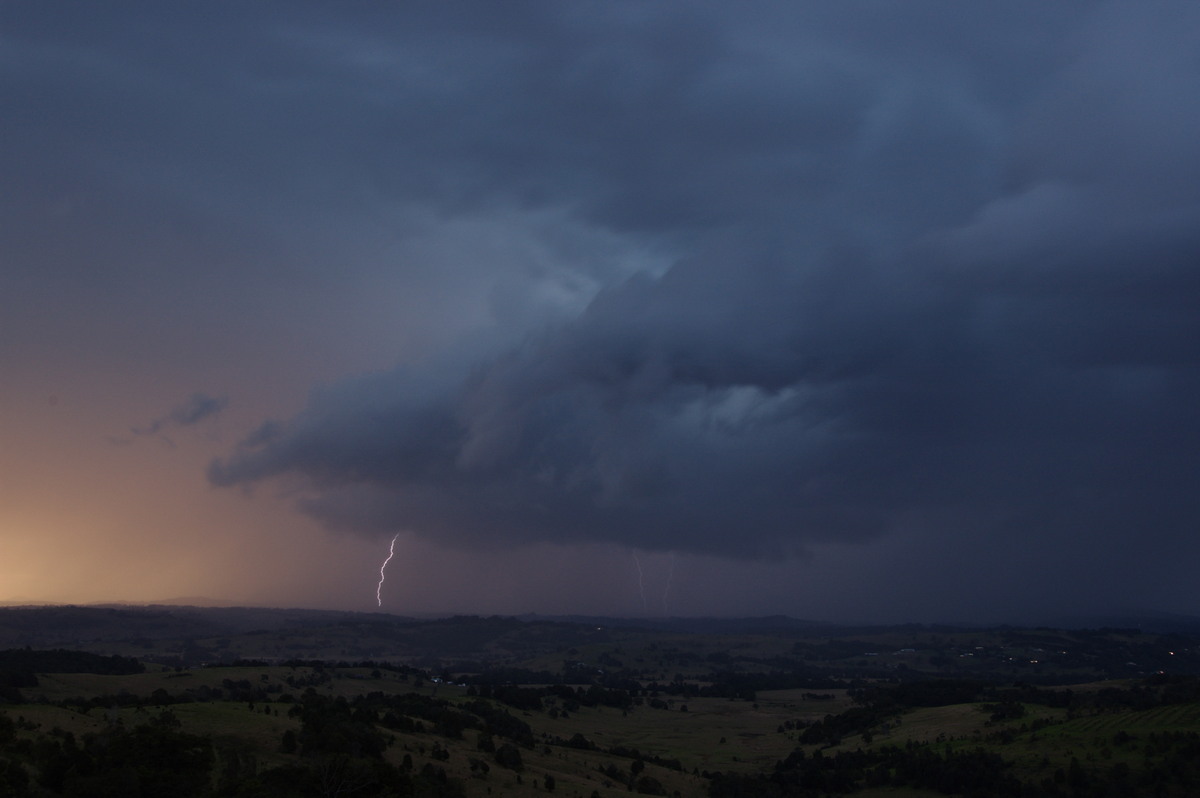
477 706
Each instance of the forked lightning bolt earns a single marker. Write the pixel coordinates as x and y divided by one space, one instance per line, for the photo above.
379 588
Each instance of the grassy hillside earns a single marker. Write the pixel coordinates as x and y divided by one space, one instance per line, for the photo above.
656 742
702 734
478 707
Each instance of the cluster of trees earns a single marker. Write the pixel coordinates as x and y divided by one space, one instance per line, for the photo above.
633 779
623 696
618 693
153 759
1169 762
719 683
19 666
340 752
975 773
63 661
1153 691
339 747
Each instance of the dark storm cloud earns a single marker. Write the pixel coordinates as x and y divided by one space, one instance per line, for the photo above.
932 265
199 407
937 268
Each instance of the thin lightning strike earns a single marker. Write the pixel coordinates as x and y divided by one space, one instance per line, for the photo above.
641 581
379 588
667 589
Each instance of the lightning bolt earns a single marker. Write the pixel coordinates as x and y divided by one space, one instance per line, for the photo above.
641 581
379 588
667 589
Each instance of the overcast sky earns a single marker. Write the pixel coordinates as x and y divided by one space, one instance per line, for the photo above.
853 310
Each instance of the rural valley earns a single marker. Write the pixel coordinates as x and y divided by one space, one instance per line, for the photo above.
187 701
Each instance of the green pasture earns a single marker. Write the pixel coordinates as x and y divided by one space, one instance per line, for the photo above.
51 717
576 772
1036 754
61 686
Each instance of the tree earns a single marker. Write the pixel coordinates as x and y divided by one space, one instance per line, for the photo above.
508 756
648 785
